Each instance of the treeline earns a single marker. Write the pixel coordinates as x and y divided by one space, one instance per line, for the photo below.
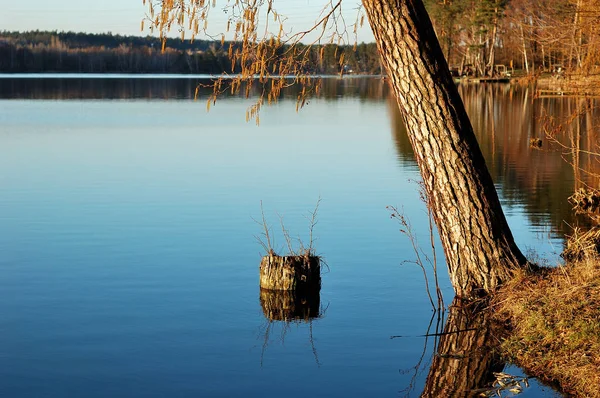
533 35
476 35
69 52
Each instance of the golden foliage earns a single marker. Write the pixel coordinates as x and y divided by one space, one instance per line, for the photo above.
263 49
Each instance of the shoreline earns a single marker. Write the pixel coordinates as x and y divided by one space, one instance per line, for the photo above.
553 320
546 85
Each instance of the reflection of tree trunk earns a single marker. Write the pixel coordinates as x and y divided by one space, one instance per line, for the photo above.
575 147
466 357
492 123
592 148
479 246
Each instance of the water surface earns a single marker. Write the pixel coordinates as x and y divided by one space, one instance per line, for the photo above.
129 262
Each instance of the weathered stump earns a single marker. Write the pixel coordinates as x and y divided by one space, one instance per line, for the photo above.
288 305
290 272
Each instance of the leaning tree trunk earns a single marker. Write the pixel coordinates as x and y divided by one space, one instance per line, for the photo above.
479 247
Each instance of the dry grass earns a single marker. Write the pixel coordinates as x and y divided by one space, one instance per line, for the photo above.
586 201
555 319
582 244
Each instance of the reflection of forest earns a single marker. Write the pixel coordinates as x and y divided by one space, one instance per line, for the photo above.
97 88
181 87
505 118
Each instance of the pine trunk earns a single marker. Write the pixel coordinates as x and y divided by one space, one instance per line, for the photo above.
479 247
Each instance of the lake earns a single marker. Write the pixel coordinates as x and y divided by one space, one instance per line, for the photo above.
128 235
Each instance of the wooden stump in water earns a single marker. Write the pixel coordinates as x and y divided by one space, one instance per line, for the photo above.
287 305
290 272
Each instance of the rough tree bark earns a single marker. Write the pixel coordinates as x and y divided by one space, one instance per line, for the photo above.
479 246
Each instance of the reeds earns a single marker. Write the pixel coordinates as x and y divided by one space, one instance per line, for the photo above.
585 200
422 260
582 244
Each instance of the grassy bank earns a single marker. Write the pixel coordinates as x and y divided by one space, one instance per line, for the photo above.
555 322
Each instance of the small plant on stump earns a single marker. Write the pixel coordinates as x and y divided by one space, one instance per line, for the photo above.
299 269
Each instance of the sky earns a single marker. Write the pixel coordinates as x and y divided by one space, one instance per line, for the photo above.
124 16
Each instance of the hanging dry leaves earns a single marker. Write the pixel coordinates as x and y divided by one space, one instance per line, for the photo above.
265 55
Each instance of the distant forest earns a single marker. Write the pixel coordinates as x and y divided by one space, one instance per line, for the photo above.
475 35
70 52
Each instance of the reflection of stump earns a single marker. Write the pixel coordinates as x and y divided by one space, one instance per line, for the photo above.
290 272
281 305
466 357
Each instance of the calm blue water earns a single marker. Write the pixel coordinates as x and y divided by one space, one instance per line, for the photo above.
129 264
